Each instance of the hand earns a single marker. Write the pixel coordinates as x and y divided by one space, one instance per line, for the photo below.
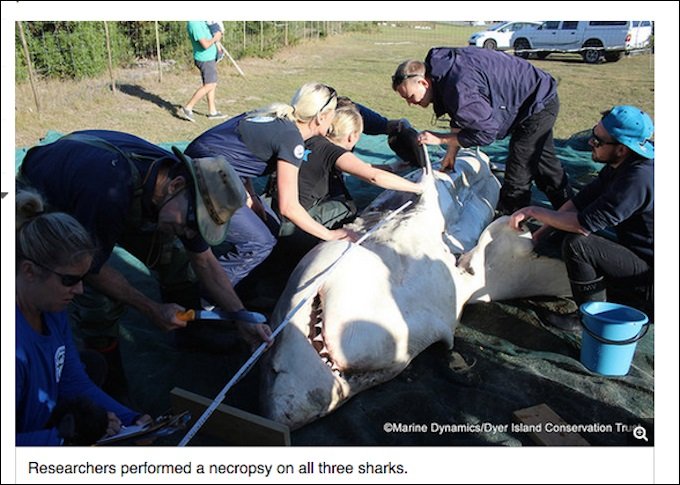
144 420
165 316
114 424
218 36
428 138
343 234
257 207
448 163
255 333
517 217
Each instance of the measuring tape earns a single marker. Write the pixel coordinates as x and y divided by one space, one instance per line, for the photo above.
260 350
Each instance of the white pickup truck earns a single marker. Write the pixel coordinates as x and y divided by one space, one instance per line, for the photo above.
592 39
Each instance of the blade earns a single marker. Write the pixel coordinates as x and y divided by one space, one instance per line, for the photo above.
209 315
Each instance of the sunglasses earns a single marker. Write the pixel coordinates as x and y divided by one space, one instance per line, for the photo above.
67 280
598 142
397 79
334 94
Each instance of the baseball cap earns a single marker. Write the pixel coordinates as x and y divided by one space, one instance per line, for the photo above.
218 191
631 127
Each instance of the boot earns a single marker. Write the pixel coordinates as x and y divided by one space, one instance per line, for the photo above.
582 292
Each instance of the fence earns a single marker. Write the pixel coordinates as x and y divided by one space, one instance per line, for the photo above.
77 50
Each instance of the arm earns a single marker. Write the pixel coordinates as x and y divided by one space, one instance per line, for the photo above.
351 164
451 139
565 219
290 208
215 280
206 43
253 200
114 285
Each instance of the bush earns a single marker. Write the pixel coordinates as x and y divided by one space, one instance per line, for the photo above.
74 50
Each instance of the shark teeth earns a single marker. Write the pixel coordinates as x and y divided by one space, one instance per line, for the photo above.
316 338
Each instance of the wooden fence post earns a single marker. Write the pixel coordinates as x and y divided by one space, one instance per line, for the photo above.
261 35
108 50
29 65
158 53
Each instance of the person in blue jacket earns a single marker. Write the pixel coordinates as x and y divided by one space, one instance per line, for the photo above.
490 95
266 141
621 197
53 255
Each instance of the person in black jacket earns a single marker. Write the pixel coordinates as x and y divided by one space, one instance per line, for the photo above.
622 197
490 95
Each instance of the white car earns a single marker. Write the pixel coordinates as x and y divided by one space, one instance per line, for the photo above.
498 36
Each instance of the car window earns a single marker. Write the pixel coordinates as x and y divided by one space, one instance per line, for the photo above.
596 23
550 26
569 25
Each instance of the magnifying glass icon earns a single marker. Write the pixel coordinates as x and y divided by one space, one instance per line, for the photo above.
640 433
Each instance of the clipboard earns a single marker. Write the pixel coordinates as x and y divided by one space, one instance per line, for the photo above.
161 426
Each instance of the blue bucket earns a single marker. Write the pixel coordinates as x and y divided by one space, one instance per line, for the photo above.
610 335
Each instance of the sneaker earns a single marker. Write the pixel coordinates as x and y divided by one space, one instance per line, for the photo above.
216 116
185 114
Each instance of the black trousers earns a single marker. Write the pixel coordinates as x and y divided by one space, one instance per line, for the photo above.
629 279
532 157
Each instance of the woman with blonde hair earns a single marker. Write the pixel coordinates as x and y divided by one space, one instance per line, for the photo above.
322 190
56 402
269 140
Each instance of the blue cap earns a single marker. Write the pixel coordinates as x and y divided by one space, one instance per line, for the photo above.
631 127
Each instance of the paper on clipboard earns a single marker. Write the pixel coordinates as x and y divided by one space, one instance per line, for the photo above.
124 433
163 425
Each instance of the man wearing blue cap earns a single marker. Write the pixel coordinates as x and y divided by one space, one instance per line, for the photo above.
621 197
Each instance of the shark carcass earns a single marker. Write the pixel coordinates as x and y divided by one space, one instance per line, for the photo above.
357 315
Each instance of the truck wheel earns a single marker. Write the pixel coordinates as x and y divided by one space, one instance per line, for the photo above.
592 56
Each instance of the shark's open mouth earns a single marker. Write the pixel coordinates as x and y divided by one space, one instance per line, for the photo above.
316 335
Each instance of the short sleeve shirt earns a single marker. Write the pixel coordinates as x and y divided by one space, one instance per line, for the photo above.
252 145
313 180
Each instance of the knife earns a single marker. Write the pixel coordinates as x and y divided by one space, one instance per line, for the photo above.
241 315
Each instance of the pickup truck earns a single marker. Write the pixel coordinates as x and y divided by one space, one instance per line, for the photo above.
593 39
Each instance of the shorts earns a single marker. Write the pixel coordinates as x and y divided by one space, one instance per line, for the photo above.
208 71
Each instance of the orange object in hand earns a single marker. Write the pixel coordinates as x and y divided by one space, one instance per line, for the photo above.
186 316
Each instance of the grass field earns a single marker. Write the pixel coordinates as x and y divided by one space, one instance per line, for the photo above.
356 64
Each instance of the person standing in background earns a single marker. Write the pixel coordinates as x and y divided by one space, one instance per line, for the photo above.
204 44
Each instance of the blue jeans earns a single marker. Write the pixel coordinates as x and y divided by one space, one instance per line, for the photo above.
249 241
